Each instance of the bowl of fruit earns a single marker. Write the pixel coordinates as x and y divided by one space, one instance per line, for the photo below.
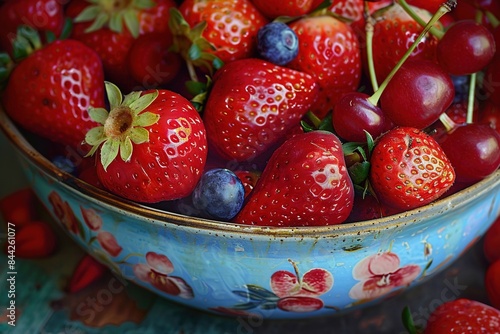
279 186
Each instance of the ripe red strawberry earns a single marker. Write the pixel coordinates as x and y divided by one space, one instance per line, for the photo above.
160 139
113 38
305 183
48 92
464 316
226 29
409 169
19 207
248 178
273 9
393 34
34 240
86 272
351 10
429 5
492 283
41 15
329 51
151 62
253 104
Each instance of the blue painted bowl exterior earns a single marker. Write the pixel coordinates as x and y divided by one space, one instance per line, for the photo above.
256 272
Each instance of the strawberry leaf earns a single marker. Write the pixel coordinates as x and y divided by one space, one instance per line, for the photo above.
359 172
124 125
26 42
6 66
408 321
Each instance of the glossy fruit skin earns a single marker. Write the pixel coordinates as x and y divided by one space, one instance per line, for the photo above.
491 80
42 15
463 316
232 25
354 113
150 61
492 284
252 105
273 9
467 47
409 169
490 114
35 240
305 183
170 164
430 5
393 32
49 92
113 47
19 207
220 193
480 144
329 52
277 43
417 95
86 272
491 241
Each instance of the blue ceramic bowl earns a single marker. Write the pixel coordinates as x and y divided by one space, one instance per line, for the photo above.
260 272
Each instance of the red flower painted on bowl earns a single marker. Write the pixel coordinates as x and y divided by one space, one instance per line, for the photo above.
91 218
379 274
63 212
300 294
156 272
108 243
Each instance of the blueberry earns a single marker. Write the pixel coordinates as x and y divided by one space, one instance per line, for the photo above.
219 193
64 164
461 84
277 43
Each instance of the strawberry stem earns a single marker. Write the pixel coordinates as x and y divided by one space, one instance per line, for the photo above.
408 9
445 8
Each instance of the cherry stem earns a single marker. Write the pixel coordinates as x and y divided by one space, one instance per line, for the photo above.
470 102
296 269
448 123
315 120
492 18
445 8
369 26
408 9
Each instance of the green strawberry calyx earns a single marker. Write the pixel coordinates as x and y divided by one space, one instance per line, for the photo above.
114 13
189 42
124 125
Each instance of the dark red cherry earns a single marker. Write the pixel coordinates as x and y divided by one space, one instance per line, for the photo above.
466 48
417 94
491 83
490 114
354 114
473 150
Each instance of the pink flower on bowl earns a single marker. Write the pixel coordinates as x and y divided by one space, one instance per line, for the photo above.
108 243
156 272
379 274
63 212
91 218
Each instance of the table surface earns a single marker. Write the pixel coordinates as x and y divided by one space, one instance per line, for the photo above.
111 306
